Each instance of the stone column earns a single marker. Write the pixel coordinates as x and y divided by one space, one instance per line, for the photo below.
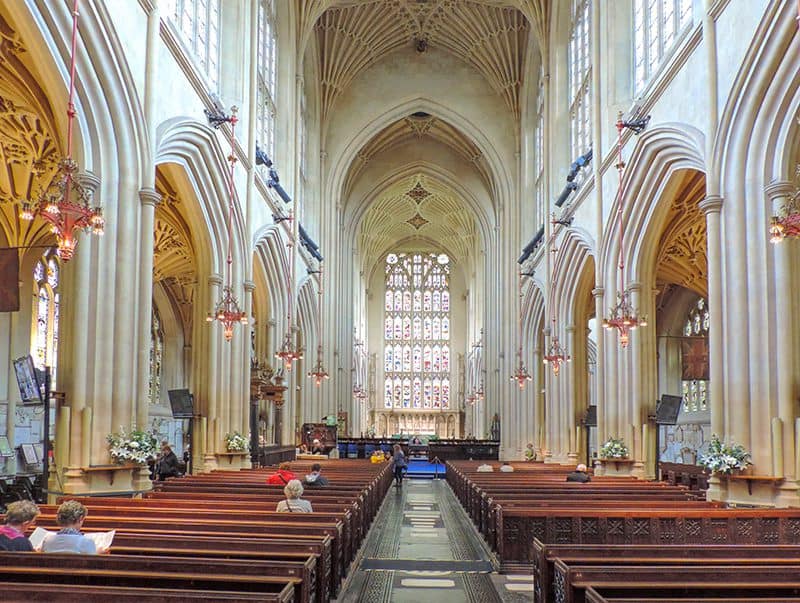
148 198
214 374
572 391
599 310
785 359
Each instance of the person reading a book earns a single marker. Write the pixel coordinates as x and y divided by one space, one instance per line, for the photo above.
293 503
315 478
20 515
69 538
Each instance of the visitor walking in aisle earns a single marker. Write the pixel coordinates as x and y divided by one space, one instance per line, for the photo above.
398 465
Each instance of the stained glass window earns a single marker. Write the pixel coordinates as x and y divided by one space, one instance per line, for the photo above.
580 79
267 51
44 331
695 391
657 28
156 355
417 312
198 23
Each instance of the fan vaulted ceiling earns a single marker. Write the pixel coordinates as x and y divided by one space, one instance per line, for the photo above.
417 208
492 36
422 128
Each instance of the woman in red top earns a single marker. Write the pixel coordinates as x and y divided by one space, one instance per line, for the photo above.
282 477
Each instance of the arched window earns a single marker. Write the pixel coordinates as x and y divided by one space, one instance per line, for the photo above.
539 153
44 330
580 77
267 54
657 25
198 23
156 355
695 391
417 297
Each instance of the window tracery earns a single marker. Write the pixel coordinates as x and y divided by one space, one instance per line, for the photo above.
267 55
580 77
657 25
198 23
156 356
417 331
695 391
44 340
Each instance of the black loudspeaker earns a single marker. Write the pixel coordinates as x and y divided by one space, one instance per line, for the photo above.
668 410
590 420
182 403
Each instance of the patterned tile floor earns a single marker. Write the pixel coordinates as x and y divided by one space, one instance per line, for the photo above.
423 547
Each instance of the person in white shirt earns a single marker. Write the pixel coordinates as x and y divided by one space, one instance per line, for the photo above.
293 503
485 468
506 468
69 539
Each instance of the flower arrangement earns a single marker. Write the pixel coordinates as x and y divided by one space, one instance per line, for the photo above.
136 446
722 458
614 448
236 442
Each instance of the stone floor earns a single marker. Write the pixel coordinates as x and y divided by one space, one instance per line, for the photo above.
423 547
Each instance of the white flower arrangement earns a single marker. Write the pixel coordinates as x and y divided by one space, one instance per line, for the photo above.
722 458
614 448
236 442
137 447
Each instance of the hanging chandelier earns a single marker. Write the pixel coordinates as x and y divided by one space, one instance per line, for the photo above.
623 316
65 203
521 374
318 373
556 353
786 223
227 311
289 352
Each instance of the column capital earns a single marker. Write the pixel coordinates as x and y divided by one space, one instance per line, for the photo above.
570 329
712 204
635 286
598 292
89 181
777 189
214 279
249 286
149 196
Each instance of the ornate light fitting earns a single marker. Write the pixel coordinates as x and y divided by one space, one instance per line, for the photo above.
227 310
521 374
65 203
556 353
623 316
787 222
318 373
288 352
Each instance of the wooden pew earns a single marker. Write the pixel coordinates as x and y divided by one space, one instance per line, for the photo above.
121 571
570 582
620 554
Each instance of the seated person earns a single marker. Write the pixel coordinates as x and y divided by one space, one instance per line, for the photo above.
315 478
20 515
69 539
530 453
167 462
317 447
293 503
506 468
415 441
282 476
579 475
485 468
303 449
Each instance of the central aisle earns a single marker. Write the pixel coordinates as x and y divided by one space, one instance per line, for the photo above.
422 547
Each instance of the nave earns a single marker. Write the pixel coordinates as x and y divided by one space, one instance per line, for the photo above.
423 547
